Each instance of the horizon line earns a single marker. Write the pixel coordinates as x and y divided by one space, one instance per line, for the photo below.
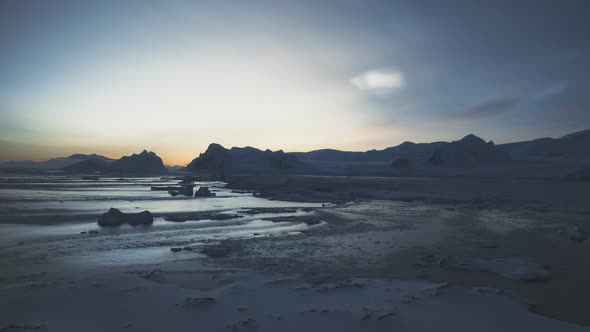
249 146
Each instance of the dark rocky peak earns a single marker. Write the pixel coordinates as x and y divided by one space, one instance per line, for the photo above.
241 159
215 158
470 151
146 162
407 143
146 154
471 140
245 149
214 147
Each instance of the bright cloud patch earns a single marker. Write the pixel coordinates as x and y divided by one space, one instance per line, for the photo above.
379 79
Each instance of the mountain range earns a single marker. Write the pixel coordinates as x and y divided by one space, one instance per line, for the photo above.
470 151
567 156
574 146
55 163
242 160
144 163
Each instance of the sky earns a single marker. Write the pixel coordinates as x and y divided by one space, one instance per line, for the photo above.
117 77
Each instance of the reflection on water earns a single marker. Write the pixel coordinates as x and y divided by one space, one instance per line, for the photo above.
48 195
49 219
123 257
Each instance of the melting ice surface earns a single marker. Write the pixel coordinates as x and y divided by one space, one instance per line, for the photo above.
47 214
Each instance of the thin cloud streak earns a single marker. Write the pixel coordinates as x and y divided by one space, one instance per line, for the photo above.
485 109
553 90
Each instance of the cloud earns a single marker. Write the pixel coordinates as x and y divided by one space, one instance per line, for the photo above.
485 109
555 89
379 79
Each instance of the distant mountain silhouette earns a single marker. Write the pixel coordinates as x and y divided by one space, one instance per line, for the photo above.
79 156
331 155
470 151
88 166
55 163
217 159
145 163
468 156
565 157
575 146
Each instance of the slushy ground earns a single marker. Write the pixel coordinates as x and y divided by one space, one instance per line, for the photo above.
365 265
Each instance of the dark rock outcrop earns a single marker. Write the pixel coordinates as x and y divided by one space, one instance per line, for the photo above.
216 251
115 217
198 301
204 192
188 180
186 190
